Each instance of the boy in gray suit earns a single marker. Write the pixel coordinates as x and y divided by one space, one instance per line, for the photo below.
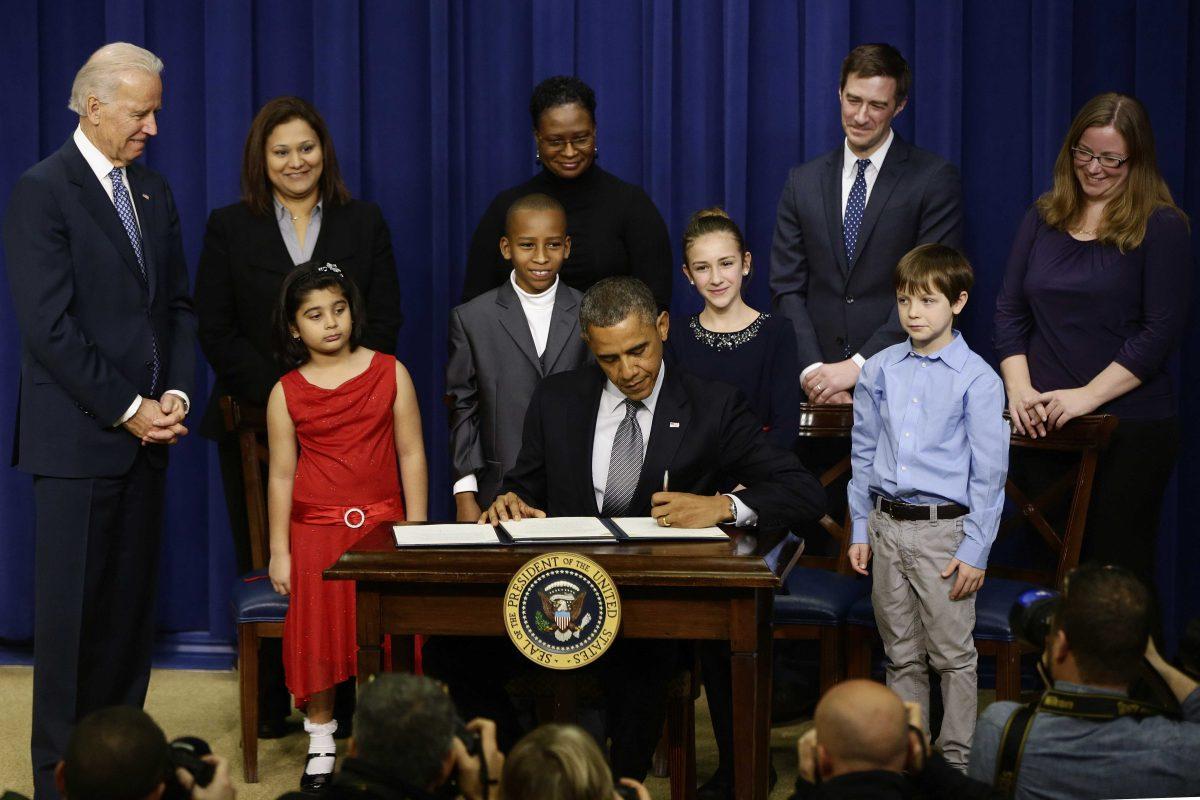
505 341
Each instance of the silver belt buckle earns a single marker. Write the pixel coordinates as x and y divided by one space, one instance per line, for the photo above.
362 517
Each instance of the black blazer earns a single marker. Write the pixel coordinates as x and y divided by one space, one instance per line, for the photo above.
718 439
841 306
88 319
242 267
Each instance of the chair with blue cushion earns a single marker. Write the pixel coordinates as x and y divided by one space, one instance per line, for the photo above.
818 591
257 609
1085 436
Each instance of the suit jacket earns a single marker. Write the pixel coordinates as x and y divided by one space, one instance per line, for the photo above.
491 373
242 267
841 306
718 439
88 319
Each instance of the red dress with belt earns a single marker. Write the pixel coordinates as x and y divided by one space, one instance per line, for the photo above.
346 471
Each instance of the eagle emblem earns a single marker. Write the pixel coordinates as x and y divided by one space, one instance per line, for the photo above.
562 602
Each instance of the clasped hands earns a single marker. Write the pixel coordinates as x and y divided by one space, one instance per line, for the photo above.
1032 413
831 383
158 421
669 509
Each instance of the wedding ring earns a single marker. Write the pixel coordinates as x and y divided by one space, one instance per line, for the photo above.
665 521
819 387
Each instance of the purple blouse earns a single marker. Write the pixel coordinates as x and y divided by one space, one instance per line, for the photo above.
1072 308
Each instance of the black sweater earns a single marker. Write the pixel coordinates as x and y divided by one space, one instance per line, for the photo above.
614 226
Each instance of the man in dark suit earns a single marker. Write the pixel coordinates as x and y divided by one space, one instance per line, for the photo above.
846 218
99 284
598 442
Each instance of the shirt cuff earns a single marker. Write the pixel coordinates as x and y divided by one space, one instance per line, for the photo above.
858 531
858 360
746 516
182 395
809 369
467 483
973 553
129 412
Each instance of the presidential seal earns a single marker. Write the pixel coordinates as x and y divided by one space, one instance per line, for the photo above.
562 610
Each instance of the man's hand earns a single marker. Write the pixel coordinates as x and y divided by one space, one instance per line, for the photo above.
828 380
279 570
468 767
806 754
642 792
142 421
219 788
970 579
509 506
1064 405
860 556
466 507
683 510
841 398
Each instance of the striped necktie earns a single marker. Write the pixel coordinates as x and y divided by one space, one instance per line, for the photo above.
125 213
625 466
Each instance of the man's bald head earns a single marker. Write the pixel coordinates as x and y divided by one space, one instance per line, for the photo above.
861 725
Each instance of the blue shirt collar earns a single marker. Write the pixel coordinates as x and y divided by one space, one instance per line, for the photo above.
953 355
1083 688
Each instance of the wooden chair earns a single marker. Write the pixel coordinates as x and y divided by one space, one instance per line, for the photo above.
259 611
1086 437
819 591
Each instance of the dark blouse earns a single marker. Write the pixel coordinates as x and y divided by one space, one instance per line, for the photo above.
615 229
760 360
1072 308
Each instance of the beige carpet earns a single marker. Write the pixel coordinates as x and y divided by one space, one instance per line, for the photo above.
205 704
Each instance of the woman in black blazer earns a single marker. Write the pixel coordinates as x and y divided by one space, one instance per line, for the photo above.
294 208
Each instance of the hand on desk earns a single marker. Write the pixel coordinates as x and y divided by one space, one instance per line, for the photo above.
509 506
683 510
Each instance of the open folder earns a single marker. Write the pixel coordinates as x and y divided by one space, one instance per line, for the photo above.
548 530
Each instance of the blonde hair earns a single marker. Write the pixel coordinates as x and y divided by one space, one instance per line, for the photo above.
556 762
1123 223
102 72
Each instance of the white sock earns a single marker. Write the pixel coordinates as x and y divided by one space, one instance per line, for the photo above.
320 740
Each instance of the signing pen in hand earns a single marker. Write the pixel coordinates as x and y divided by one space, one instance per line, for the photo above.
666 480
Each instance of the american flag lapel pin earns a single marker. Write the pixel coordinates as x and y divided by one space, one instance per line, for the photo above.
673 424
145 196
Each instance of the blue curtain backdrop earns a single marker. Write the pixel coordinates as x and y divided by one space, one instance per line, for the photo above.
700 101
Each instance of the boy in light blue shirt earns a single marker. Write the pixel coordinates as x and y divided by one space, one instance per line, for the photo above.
929 452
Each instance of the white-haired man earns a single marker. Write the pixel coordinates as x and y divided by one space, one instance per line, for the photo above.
100 287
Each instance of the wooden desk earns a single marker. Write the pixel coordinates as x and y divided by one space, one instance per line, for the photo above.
668 591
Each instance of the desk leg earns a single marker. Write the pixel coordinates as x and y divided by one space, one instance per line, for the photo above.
370 634
750 653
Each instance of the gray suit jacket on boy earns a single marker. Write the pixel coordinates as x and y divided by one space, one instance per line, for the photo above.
491 373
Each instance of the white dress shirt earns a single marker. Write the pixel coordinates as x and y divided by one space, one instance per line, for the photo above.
849 173
608 418
102 168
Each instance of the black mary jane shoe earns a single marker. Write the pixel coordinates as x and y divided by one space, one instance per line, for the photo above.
315 784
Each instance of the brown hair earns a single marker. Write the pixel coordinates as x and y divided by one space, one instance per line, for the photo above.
934 266
1123 223
256 188
556 762
870 60
710 220
1107 614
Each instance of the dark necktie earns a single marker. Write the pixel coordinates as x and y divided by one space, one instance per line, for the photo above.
856 204
625 466
125 213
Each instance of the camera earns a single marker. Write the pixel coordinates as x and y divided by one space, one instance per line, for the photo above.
187 753
625 792
1032 616
474 747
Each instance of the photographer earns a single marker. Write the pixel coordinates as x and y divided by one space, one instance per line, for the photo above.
410 745
119 753
563 762
866 743
1086 738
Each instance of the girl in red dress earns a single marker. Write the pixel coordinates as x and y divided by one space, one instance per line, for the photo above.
344 432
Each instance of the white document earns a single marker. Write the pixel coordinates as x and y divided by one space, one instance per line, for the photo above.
452 535
648 528
558 529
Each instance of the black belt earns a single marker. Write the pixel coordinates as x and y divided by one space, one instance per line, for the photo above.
907 512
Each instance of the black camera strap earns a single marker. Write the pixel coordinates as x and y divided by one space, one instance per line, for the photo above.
1081 705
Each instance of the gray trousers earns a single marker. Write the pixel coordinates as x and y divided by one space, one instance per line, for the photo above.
917 620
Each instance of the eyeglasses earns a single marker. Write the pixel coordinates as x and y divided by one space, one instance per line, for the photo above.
583 141
1085 157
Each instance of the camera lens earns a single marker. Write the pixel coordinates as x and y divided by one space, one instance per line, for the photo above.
1032 615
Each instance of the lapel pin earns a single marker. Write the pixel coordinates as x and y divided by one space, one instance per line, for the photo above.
673 424
145 196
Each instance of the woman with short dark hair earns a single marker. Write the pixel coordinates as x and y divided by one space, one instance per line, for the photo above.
1093 304
615 227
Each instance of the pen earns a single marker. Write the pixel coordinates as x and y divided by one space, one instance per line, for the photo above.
666 480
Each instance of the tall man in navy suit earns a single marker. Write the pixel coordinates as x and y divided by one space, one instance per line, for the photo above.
846 218
100 287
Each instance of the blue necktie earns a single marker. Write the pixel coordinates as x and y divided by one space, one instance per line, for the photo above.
625 466
125 213
856 204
